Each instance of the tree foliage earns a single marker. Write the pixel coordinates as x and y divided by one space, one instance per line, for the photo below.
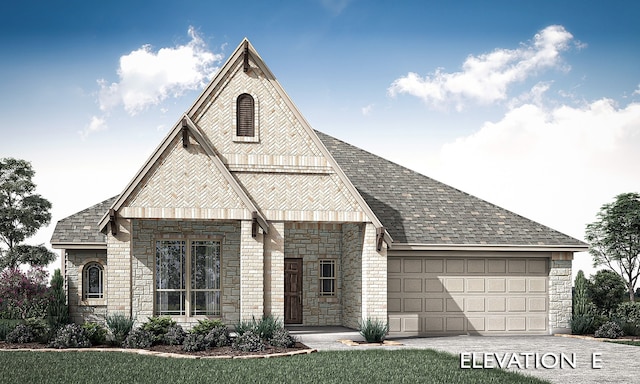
615 238
606 290
22 213
580 299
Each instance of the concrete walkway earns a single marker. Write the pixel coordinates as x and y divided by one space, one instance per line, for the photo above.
618 363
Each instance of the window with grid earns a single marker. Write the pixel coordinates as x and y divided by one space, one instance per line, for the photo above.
92 279
327 278
187 277
245 116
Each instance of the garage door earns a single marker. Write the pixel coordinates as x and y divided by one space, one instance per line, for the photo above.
489 295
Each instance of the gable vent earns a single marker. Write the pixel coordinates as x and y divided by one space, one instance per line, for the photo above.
245 124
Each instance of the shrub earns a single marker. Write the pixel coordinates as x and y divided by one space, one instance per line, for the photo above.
158 327
21 334
194 342
70 336
58 312
40 329
139 338
205 326
119 325
217 337
263 328
282 338
6 326
374 331
249 341
23 294
583 324
606 290
580 299
609 330
96 333
175 335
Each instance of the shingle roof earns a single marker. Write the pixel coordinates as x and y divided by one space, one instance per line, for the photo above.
416 209
82 227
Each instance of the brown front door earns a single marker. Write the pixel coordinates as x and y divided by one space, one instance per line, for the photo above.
293 291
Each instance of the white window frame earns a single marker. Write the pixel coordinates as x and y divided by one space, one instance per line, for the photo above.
189 309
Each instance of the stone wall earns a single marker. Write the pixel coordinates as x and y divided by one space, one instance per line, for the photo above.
374 277
251 273
312 242
145 235
118 276
560 297
80 310
352 241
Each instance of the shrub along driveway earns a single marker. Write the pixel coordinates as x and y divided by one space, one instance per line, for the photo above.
618 363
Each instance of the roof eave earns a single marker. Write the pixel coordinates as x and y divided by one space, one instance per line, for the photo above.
74 245
490 247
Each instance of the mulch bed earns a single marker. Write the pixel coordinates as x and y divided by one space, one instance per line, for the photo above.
177 349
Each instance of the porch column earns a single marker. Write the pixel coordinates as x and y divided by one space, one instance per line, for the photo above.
374 276
274 271
118 270
251 273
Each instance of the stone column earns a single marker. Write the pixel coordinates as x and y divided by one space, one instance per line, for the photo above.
374 277
118 270
560 296
251 273
274 271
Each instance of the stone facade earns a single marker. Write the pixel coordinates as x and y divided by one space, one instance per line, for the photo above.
251 273
352 241
118 276
81 309
560 296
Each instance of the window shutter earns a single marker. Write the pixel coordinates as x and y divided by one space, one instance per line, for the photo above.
245 119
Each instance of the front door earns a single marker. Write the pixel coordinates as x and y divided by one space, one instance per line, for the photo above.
293 291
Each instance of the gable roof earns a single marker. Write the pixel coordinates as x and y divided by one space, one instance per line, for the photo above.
82 228
419 210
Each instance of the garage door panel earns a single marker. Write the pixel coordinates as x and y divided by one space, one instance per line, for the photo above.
483 295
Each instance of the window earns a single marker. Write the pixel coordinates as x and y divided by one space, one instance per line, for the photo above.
187 277
245 116
92 280
327 278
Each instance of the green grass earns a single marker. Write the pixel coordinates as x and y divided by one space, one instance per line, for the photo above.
627 342
372 366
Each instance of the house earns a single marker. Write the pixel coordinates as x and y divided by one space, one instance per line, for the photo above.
245 210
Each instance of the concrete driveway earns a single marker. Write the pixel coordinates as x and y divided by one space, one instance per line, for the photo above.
548 357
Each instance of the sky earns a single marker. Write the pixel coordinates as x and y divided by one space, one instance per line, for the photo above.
530 105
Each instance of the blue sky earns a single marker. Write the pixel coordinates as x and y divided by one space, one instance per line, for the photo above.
534 106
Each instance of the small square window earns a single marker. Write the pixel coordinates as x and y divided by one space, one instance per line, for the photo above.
327 278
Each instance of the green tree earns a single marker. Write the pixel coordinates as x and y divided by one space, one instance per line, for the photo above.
606 290
614 239
22 213
58 311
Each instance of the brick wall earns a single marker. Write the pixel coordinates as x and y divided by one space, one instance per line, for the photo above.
251 273
274 271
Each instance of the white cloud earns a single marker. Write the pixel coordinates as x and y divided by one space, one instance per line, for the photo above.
637 91
335 6
147 77
486 78
96 124
366 111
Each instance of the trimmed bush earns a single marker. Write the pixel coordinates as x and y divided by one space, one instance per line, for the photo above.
249 341
175 335
40 328
21 334
218 337
139 338
158 326
96 332
206 325
282 338
70 336
119 327
194 342
609 330
374 331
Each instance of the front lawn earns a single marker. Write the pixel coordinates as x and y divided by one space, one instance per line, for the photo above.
372 366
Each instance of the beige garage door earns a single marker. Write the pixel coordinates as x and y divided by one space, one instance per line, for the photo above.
492 295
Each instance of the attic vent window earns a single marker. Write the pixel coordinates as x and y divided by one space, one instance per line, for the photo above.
246 119
245 125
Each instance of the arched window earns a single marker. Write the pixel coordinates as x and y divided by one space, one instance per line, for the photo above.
93 285
245 116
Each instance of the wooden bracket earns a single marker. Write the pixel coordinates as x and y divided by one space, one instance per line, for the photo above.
379 238
112 222
245 66
185 134
254 225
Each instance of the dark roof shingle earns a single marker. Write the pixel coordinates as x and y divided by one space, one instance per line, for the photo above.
82 227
